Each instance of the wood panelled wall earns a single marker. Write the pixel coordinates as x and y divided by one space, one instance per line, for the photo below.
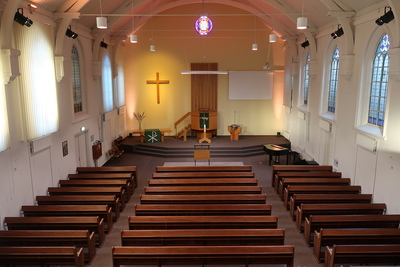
204 87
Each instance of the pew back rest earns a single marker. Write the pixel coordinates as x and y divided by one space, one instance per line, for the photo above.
239 168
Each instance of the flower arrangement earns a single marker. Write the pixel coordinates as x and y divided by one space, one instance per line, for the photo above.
139 117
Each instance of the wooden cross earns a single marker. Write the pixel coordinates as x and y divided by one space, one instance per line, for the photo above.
158 82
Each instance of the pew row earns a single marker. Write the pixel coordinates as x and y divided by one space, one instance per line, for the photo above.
318 189
202 209
103 211
306 210
298 168
298 199
110 201
117 192
42 256
130 179
285 182
199 237
169 175
204 199
202 222
356 236
95 183
92 224
201 190
191 255
204 182
362 254
236 168
111 169
43 238
317 222
280 175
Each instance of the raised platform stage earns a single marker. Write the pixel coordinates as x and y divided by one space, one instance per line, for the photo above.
220 146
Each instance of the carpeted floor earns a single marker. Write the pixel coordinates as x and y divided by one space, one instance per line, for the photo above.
146 166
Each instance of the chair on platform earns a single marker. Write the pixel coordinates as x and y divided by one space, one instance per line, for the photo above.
201 152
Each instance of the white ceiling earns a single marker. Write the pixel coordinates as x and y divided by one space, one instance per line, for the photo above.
277 14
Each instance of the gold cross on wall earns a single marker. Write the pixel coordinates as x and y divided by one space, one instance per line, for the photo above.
158 82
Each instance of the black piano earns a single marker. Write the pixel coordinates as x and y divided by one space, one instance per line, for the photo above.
276 151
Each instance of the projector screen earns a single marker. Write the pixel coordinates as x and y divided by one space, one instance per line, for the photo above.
250 85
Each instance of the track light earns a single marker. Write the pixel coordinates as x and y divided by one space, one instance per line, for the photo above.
70 33
386 18
337 33
21 19
305 44
103 44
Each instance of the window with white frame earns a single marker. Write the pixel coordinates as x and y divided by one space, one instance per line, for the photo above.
76 80
379 83
333 81
37 81
107 84
306 80
120 83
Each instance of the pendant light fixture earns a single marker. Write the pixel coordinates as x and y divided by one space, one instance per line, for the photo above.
203 25
272 35
302 21
101 21
133 37
254 46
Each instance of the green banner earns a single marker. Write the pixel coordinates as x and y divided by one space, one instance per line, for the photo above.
204 120
152 136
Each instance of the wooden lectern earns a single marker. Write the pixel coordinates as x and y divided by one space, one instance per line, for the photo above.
196 124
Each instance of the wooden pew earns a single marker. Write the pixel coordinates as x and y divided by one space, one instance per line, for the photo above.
43 256
204 182
305 210
169 175
285 182
92 224
202 209
317 222
118 192
129 177
298 168
28 238
199 237
201 190
318 189
202 222
204 199
280 175
362 254
298 199
103 211
99 183
132 170
235 168
192 255
111 201
356 236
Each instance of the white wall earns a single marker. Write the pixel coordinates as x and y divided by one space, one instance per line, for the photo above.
378 172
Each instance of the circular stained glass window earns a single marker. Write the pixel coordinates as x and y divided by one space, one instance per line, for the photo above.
203 25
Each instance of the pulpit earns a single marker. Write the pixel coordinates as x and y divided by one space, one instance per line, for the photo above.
201 119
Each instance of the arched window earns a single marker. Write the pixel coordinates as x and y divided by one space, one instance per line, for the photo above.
4 132
306 81
333 81
108 97
76 80
379 83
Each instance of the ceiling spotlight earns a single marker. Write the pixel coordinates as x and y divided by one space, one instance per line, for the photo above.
70 33
386 18
103 44
337 33
305 44
21 19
